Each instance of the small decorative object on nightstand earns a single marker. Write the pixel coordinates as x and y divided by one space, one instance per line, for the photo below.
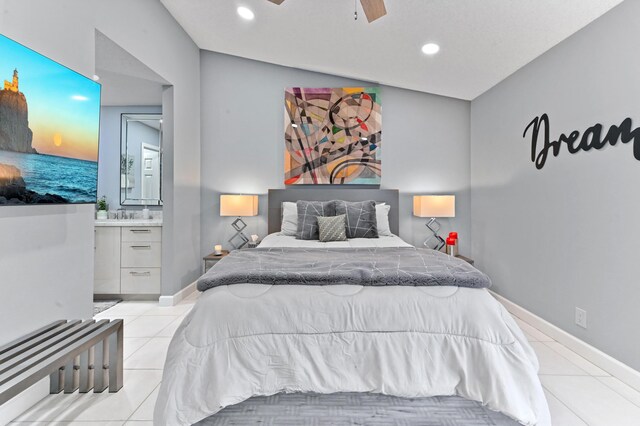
254 241
434 206
238 205
211 259
466 259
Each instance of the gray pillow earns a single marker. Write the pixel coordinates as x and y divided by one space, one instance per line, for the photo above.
308 212
332 228
361 218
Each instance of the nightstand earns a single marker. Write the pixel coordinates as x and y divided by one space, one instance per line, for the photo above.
211 259
466 259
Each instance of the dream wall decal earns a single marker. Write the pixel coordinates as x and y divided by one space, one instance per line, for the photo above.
332 136
592 138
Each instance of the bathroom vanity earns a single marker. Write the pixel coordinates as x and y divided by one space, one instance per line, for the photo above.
128 258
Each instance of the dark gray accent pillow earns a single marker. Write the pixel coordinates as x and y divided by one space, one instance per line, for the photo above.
332 228
361 218
308 212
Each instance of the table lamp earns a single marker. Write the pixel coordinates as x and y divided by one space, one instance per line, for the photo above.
238 205
434 206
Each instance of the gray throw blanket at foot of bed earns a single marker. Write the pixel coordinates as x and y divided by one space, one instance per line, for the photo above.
357 266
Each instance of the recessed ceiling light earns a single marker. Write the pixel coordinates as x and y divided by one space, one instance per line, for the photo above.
246 13
430 49
95 77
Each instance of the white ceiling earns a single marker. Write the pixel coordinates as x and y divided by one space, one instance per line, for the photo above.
482 41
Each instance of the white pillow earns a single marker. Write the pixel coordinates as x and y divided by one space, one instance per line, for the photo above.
289 219
382 219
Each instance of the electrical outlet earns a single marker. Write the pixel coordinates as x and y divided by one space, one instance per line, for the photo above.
581 317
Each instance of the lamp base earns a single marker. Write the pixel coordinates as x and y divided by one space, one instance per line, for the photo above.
238 240
434 227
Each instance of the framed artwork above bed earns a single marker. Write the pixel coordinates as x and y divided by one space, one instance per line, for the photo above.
332 136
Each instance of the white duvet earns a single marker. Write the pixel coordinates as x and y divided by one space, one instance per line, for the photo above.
248 339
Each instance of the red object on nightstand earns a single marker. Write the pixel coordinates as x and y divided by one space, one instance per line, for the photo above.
453 236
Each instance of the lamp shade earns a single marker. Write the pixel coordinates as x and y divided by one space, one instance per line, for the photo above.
434 205
238 205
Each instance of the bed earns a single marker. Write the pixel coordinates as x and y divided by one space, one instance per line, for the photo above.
247 339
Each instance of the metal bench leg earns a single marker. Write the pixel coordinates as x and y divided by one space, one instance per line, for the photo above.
71 376
115 360
100 373
56 380
86 378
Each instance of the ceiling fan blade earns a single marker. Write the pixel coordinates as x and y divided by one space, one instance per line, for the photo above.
374 9
276 1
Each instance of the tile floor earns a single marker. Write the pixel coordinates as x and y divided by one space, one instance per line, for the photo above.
579 393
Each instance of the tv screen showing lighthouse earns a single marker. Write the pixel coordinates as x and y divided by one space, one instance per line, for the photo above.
49 128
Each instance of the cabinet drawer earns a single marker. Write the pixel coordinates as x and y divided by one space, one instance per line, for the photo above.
142 254
141 233
140 281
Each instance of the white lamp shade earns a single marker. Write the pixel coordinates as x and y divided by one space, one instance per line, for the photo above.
434 205
238 205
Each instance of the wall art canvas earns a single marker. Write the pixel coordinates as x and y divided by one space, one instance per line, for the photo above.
332 136
49 129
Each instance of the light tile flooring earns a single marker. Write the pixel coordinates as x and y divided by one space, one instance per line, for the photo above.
579 393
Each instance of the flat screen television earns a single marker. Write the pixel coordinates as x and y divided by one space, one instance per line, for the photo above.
49 130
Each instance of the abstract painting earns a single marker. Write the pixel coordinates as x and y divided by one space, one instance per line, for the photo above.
332 136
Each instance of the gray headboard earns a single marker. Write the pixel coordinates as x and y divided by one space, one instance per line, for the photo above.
278 196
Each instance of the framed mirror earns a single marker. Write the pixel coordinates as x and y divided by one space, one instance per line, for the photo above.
141 160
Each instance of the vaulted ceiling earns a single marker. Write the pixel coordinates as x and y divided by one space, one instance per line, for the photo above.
482 41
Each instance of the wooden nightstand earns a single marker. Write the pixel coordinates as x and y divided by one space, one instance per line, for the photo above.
466 259
211 259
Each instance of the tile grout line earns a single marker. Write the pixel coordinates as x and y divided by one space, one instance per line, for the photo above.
565 405
132 353
138 407
614 390
562 356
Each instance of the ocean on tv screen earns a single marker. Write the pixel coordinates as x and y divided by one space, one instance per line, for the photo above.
49 127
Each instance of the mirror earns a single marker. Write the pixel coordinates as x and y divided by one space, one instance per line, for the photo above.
141 160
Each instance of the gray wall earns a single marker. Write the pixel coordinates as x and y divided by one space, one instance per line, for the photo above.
109 171
425 143
566 235
46 252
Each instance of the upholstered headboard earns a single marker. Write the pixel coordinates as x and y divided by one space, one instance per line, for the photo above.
278 196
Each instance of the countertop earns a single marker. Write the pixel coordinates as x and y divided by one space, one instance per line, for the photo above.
129 222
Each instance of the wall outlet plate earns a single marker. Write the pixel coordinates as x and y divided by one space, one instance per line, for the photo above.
581 317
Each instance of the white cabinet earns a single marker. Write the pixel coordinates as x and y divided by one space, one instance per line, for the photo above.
128 260
106 272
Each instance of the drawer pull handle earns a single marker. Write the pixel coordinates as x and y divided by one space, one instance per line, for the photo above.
141 231
141 247
141 274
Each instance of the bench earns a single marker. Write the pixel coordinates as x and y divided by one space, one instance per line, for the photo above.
76 355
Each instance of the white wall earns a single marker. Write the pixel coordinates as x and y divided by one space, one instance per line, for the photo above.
425 145
46 253
566 235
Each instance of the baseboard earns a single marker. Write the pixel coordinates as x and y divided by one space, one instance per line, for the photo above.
23 401
166 301
606 362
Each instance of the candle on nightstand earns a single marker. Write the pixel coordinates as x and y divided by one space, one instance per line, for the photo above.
217 249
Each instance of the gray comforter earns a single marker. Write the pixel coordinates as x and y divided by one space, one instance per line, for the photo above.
358 266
